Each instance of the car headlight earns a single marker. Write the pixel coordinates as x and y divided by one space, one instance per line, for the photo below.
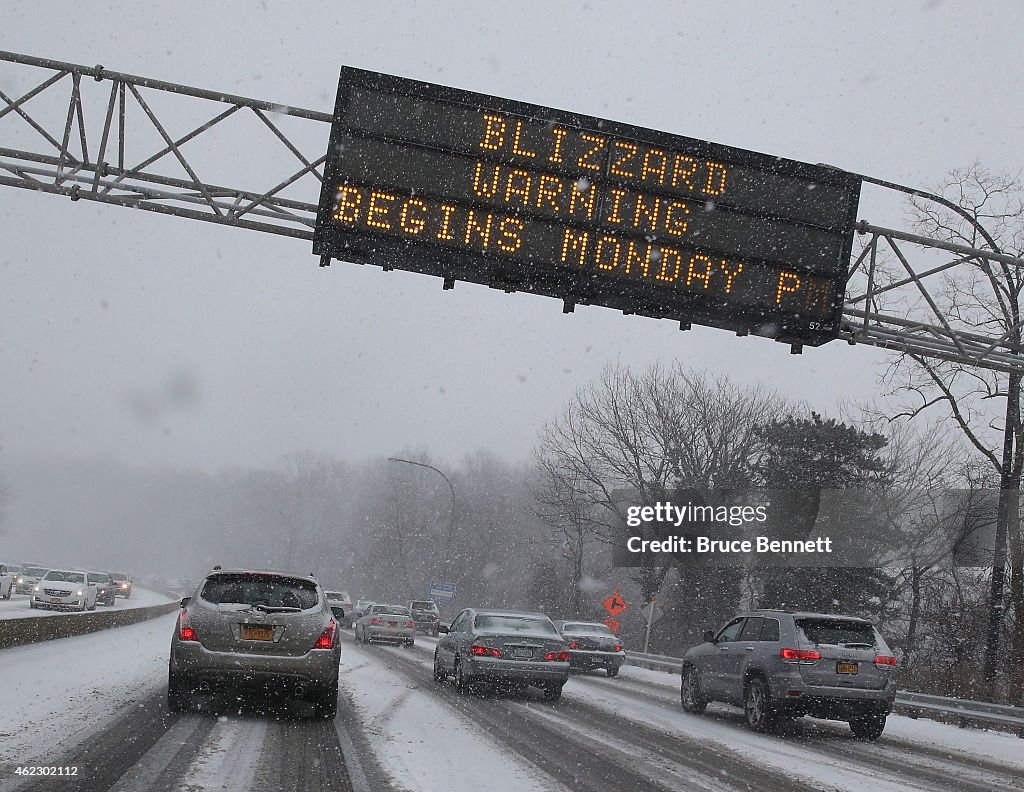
35 588
79 593
20 580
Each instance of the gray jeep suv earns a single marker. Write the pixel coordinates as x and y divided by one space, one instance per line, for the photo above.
255 632
783 664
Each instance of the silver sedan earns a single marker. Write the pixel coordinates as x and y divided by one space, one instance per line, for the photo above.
391 623
514 648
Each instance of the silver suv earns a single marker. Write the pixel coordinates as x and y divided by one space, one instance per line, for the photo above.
256 632
783 664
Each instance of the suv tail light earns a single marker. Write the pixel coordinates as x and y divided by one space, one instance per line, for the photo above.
887 661
800 655
409 623
185 630
561 657
326 639
618 647
484 651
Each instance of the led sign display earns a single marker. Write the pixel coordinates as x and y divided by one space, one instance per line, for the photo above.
469 187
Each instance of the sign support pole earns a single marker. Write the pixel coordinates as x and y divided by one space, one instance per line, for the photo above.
650 622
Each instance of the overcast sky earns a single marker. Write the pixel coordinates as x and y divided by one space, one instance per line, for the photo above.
159 340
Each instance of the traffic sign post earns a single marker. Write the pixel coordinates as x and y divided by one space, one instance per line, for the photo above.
653 613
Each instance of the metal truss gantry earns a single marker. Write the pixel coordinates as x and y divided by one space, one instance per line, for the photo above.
98 135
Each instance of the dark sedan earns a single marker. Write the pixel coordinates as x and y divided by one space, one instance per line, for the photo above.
106 589
592 645
497 647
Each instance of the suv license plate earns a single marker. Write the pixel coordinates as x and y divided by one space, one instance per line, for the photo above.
55 600
257 633
392 624
846 667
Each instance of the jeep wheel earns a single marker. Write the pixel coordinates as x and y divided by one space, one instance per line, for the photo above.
177 696
326 705
867 727
757 706
690 694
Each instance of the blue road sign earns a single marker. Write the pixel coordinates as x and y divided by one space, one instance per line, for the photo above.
440 590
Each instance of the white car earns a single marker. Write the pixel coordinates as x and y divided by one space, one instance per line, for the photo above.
6 581
64 589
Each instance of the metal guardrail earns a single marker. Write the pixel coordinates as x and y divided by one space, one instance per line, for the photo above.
967 713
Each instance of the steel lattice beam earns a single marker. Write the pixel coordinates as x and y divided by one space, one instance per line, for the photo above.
67 166
103 139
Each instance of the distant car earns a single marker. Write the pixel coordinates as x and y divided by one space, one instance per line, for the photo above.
592 645
64 589
340 604
6 581
492 647
106 589
782 664
361 607
28 577
391 623
123 583
426 615
253 632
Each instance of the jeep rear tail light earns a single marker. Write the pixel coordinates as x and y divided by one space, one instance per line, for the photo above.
326 639
885 661
185 631
484 651
409 623
561 657
800 655
618 647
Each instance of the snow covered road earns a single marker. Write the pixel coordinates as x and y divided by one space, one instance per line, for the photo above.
97 702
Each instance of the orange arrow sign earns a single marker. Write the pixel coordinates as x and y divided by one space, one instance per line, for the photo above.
615 604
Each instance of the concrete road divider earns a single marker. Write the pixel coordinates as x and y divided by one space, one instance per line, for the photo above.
14 632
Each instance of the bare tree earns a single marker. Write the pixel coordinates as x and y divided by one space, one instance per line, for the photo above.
668 433
979 209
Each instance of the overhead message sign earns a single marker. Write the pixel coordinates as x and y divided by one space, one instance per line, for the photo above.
469 187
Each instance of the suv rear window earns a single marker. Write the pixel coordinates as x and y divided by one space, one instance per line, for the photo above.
427 605
270 591
837 631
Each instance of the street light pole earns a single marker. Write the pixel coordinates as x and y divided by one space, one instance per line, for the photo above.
451 513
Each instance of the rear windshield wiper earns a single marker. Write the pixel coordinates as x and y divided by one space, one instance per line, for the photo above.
859 644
